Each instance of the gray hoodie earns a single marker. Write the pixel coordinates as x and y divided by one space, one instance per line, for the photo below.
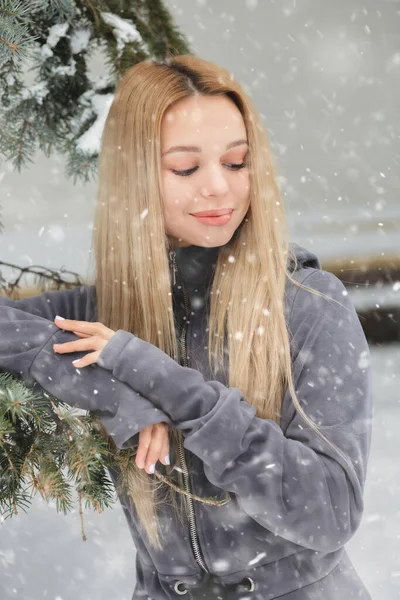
294 502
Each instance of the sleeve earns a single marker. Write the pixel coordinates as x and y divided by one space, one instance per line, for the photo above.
76 303
26 350
285 477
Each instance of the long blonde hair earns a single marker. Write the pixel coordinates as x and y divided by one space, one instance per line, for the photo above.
133 282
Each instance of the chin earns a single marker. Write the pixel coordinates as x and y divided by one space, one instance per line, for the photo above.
215 240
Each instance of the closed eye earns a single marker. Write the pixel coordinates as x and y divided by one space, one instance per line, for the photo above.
231 166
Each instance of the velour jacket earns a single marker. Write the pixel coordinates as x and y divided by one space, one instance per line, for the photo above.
293 500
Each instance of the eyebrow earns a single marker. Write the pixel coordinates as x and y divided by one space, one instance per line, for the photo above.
197 149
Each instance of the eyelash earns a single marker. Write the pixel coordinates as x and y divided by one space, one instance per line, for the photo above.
187 172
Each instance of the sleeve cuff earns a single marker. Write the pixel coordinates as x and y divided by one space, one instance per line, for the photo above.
179 392
133 415
109 355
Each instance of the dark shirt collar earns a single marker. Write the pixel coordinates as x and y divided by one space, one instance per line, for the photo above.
196 264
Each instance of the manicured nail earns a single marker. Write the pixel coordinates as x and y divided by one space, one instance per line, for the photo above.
76 361
167 459
151 468
60 318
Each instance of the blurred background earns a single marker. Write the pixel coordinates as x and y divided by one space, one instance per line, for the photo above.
325 77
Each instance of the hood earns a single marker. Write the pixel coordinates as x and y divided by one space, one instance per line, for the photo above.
305 258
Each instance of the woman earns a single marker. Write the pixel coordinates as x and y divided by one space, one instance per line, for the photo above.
268 454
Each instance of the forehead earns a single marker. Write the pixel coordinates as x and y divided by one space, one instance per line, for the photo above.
203 115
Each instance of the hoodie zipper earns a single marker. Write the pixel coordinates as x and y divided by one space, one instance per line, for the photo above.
192 520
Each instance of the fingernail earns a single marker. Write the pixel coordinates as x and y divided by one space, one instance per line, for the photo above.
167 459
60 318
76 361
152 468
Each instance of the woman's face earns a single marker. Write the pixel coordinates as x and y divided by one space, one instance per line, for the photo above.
202 139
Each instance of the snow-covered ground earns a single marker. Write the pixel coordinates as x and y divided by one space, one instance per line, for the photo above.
42 554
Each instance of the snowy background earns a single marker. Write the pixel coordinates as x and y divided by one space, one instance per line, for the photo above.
326 79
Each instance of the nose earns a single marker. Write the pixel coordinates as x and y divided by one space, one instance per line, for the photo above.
215 182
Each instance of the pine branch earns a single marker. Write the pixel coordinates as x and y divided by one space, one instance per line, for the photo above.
15 41
168 40
47 447
63 108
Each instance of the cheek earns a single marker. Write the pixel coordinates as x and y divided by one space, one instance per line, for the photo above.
242 184
178 193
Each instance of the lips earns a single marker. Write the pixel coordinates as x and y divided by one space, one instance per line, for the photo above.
213 213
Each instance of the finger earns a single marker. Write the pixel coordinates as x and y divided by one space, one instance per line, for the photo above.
81 334
90 343
165 447
71 325
164 451
88 359
91 328
144 443
154 451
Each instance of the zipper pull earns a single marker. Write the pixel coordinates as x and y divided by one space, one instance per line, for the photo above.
172 258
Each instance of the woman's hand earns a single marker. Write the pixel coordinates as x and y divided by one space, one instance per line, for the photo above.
153 440
153 446
94 336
